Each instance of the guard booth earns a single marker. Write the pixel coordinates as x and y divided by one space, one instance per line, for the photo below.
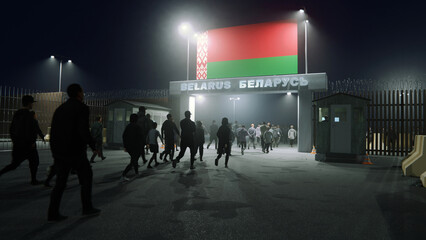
119 116
340 126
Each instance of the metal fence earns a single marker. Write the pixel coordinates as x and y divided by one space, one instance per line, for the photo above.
10 102
394 117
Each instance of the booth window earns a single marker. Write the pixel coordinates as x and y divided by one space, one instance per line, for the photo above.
128 113
323 115
340 114
110 115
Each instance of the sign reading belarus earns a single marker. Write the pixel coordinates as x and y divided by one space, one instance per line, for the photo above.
314 81
277 82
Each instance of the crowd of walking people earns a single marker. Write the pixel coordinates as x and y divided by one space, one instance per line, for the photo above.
71 134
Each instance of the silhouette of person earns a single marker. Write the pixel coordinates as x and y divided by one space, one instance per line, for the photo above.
252 136
151 139
70 136
199 139
187 127
23 132
143 124
96 132
242 134
213 134
132 141
292 133
263 129
168 131
224 147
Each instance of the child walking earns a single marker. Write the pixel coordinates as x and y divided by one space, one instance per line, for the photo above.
151 139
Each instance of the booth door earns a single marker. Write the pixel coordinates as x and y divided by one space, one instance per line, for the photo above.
340 130
119 124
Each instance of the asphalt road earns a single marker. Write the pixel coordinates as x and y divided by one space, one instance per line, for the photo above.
280 195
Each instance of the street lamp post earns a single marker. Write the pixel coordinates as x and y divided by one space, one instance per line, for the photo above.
306 46
185 30
61 59
187 60
234 99
302 11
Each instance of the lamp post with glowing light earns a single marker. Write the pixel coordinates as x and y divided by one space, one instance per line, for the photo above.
306 39
185 29
61 59
234 99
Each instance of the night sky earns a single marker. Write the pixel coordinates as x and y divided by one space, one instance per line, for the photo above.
135 44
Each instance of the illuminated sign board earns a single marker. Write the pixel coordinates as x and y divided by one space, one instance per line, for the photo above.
317 81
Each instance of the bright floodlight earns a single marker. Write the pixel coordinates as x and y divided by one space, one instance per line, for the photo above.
52 56
185 29
306 21
69 61
301 11
288 93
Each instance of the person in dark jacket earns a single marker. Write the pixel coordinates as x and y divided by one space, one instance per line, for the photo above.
213 135
96 132
70 136
224 147
242 134
144 127
132 140
23 132
263 129
168 131
199 139
187 127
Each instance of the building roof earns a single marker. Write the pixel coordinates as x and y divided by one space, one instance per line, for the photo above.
341 94
139 104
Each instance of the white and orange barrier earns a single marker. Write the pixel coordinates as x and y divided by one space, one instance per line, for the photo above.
415 164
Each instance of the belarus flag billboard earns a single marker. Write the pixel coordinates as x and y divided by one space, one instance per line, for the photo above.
250 50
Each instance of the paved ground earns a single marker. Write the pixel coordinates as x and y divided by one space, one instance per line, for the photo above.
280 195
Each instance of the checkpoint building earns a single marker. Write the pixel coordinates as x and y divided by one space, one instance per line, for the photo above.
249 63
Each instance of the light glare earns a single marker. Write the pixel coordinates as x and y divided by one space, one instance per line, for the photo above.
52 56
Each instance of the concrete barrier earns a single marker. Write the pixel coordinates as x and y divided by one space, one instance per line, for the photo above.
423 179
415 164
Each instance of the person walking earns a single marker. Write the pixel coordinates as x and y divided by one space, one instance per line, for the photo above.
242 134
267 138
263 129
199 139
276 136
96 132
224 147
152 137
187 127
23 133
292 133
132 140
70 136
252 136
168 131
144 127
213 134
258 134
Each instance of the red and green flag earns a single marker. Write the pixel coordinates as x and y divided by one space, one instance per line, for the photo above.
251 50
